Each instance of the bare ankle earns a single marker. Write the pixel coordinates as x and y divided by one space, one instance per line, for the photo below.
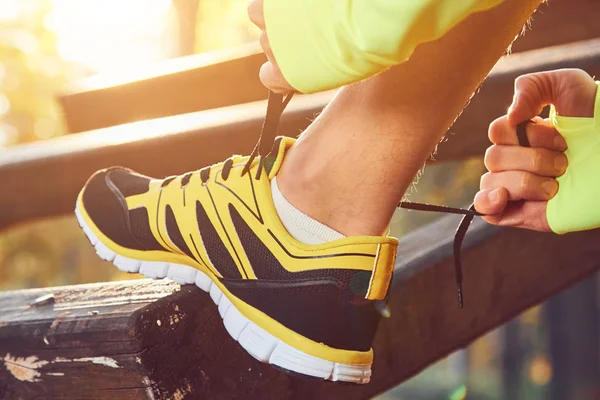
312 186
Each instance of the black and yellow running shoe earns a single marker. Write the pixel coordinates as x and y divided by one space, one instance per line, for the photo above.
304 308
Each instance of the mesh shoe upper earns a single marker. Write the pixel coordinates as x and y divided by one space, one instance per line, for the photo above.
223 221
104 200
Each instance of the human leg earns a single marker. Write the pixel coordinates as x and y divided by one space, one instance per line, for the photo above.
352 166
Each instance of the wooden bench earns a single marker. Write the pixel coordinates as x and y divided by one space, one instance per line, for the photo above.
157 340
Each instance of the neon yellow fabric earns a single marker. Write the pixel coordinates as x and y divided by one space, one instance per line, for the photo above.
323 44
575 206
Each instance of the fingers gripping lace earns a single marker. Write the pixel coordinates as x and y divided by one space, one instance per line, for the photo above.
465 222
275 106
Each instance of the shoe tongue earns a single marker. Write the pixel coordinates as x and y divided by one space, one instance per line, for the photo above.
275 158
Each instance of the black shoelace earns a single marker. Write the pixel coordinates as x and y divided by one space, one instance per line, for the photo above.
276 105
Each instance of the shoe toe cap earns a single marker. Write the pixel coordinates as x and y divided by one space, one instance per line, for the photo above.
104 202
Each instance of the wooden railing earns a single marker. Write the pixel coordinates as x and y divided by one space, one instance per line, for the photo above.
143 339
53 172
201 82
146 338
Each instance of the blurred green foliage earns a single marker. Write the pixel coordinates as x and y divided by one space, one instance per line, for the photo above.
31 75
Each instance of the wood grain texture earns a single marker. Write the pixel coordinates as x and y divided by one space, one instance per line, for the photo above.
53 172
189 355
221 79
81 346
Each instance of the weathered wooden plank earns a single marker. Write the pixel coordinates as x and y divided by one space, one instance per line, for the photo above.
83 337
189 354
221 79
53 172
506 272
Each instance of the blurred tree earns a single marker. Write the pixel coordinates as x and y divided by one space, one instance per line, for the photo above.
573 321
187 18
512 360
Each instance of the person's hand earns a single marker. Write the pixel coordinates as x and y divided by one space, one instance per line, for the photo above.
270 74
526 176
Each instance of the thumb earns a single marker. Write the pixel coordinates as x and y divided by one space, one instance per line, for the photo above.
532 93
270 75
572 91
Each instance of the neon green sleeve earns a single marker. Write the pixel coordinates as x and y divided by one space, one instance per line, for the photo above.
323 44
576 206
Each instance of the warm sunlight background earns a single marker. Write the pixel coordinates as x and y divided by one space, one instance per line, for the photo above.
121 35
47 44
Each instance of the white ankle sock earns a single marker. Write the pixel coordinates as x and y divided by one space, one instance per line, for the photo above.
302 227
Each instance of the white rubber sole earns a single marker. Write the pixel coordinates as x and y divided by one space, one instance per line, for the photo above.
259 343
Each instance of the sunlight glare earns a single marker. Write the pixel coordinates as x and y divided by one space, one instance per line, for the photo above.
4 104
110 35
9 10
8 135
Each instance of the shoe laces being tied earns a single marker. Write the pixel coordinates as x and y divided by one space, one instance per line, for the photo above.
275 107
